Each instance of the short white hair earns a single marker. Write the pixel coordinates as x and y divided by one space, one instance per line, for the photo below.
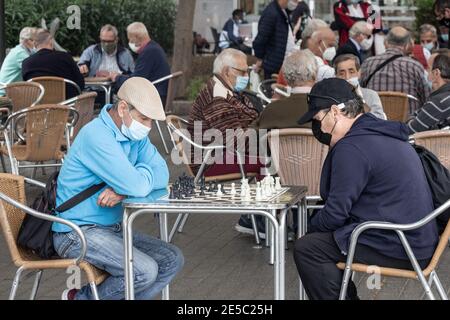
110 28
312 26
27 33
359 27
425 28
227 58
300 66
138 28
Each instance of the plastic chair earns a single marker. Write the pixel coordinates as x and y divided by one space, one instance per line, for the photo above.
12 213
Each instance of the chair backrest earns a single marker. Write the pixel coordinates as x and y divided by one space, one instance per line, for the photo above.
45 129
179 123
438 142
395 105
84 104
216 37
24 94
11 218
442 245
55 89
298 157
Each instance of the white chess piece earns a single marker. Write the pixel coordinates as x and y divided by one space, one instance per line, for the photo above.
219 191
258 193
247 196
233 189
278 184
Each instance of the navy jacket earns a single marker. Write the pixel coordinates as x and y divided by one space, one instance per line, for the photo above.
151 64
229 28
349 48
270 43
51 63
374 174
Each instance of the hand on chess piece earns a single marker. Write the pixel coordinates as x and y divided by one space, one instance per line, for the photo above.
109 198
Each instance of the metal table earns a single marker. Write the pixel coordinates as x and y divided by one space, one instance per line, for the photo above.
274 211
102 83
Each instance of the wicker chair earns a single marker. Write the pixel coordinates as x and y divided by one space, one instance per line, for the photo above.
12 212
429 273
24 94
437 141
84 104
46 127
55 88
175 124
395 105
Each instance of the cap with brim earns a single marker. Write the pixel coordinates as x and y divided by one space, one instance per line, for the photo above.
142 95
326 93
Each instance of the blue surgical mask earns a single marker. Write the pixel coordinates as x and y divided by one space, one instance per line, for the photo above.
136 132
241 83
429 46
444 37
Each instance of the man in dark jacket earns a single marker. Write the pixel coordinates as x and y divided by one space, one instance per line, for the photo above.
50 63
275 39
435 113
371 173
231 32
151 63
346 13
361 40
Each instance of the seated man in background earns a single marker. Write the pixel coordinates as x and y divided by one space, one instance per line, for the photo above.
151 63
221 106
371 173
11 70
361 40
47 62
435 113
347 67
300 72
230 33
115 149
323 45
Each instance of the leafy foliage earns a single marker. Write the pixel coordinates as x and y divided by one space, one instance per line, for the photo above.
424 13
157 15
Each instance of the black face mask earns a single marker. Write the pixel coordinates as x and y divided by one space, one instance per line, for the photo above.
322 137
445 22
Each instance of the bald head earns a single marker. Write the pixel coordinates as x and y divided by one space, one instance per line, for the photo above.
320 40
399 37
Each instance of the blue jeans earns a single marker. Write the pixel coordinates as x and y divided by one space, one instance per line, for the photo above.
155 262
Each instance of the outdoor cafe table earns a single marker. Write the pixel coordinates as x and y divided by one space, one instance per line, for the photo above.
102 83
274 211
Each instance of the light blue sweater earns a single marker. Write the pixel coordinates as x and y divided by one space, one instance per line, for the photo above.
12 66
102 153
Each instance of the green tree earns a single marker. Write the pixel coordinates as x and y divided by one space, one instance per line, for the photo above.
424 13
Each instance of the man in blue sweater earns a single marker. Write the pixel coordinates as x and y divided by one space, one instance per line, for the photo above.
371 173
151 63
115 149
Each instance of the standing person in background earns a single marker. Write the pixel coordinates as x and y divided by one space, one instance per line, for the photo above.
275 39
346 13
442 11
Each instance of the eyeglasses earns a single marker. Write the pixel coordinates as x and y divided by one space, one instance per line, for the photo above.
240 70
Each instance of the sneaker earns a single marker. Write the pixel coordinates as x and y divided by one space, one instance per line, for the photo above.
245 226
69 294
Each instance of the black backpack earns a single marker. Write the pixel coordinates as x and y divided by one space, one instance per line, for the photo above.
438 178
36 234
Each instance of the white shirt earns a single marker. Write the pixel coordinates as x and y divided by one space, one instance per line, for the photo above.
355 11
109 63
324 71
290 44
298 90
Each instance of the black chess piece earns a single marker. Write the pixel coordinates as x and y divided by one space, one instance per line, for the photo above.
223 189
202 192
210 187
171 194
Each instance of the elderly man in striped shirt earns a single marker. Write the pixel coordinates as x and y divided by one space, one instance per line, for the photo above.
394 70
435 113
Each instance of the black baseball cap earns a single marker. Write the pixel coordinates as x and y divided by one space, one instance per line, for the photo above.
326 93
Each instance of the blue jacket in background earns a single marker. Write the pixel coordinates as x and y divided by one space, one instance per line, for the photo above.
374 174
101 153
92 57
152 65
270 43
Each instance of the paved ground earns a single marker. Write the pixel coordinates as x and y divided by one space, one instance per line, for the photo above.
220 264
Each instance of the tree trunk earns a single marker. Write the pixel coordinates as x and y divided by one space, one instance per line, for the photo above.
182 53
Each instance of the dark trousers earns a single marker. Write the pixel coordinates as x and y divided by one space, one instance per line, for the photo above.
316 255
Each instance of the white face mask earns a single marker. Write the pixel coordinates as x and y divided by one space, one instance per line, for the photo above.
292 5
329 53
134 47
136 132
354 81
366 44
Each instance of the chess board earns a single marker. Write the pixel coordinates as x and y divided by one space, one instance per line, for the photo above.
227 197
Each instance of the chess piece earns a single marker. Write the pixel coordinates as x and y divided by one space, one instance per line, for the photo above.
258 192
219 191
277 184
202 192
171 194
233 189
247 196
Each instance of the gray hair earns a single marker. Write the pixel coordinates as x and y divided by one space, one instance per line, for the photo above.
345 57
300 66
310 28
399 37
138 28
227 58
110 28
359 27
425 28
27 33
353 108
43 37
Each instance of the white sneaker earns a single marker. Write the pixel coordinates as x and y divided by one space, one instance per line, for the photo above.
250 231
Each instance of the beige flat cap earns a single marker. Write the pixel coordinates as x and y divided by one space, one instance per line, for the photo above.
142 94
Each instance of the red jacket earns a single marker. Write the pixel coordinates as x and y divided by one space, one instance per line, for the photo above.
344 22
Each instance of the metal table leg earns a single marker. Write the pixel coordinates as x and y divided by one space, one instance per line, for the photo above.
281 250
163 230
301 231
128 256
